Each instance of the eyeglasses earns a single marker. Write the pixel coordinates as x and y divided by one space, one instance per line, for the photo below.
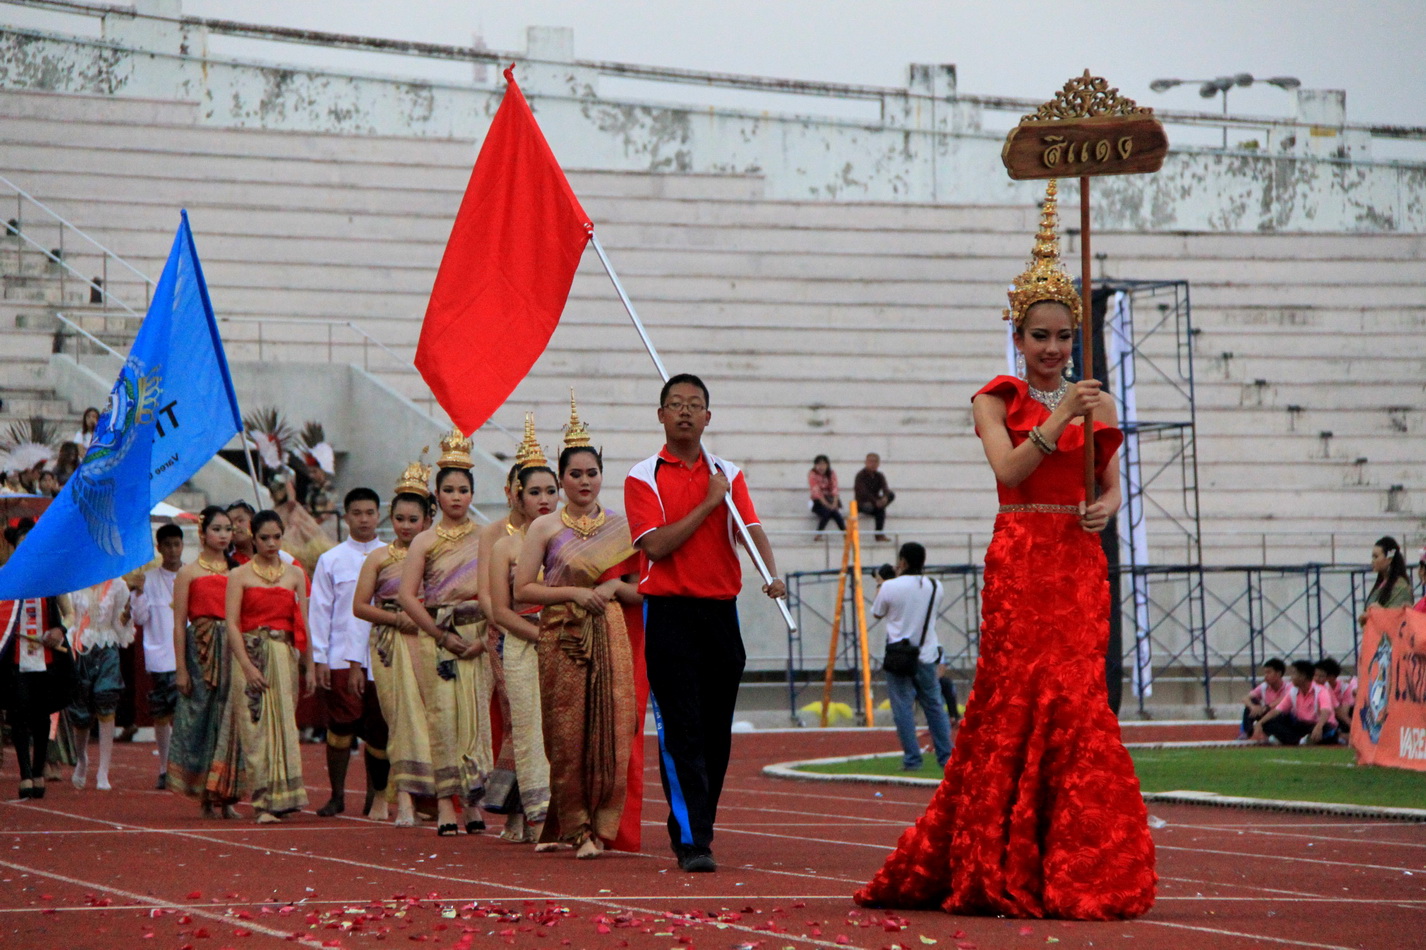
678 407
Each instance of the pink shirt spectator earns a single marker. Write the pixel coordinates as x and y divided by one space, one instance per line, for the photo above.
822 487
1304 705
1268 696
1344 692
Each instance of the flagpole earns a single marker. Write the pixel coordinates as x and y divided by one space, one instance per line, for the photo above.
663 373
252 470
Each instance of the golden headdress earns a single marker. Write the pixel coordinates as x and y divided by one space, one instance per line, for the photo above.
576 434
1045 278
530 455
455 451
416 480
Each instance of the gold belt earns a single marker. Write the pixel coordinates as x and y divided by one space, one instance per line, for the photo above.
1047 509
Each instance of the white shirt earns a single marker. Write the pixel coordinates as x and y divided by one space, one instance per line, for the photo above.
903 601
338 637
98 622
153 610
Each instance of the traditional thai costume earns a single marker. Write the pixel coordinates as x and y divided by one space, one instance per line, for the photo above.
456 692
1039 813
396 658
265 719
587 685
198 765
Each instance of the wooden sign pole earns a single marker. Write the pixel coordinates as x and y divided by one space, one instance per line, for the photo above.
1088 130
1086 338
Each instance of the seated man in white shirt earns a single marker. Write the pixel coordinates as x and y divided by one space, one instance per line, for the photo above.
336 633
909 602
152 606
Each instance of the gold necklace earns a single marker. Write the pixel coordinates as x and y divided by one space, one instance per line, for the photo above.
456 533
222 567
395 555
270 575
510 529
584 526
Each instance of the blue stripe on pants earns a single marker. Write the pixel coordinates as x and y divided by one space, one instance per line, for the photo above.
675 791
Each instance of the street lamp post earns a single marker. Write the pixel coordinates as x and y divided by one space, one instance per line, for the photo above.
1208 88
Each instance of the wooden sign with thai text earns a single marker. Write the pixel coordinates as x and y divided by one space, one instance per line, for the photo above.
1087 130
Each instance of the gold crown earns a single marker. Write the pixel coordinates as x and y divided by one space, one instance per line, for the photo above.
576 434
530 455
1045 278
455 451
416 480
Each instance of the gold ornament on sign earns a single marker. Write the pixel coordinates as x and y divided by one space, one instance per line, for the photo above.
416 480
1086 97
530 455
576 434
1045 278
455 451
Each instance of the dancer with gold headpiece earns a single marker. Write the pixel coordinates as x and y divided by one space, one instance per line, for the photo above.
398 649
439 593
522 743
266 611
588 679
1039 813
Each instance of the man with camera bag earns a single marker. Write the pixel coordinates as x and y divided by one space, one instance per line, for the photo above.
909 602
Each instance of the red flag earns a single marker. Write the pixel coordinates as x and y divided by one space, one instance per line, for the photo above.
505 276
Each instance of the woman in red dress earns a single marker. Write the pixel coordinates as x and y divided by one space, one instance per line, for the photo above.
1039 813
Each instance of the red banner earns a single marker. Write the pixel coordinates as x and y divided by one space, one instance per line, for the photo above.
1389 721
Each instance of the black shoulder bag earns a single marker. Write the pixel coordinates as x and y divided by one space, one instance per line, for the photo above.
901 656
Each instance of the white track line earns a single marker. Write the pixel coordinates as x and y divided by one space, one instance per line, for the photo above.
150 903
527 892
1271 832
1260 856
1252 939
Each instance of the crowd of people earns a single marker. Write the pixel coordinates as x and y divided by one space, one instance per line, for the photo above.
505 669
496 670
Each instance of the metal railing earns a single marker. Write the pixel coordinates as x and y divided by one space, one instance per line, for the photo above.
59 255
1252 613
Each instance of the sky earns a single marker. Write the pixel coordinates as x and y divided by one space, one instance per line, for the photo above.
1018 48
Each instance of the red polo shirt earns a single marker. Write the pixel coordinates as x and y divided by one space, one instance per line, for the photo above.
706 565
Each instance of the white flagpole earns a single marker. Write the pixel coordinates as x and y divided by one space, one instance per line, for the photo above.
663 373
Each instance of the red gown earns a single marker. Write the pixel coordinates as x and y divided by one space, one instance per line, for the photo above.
1039 813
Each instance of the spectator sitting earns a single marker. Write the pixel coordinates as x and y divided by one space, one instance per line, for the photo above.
873 494
1305 716
49 484
1344 695
1267 694
66 462
826 496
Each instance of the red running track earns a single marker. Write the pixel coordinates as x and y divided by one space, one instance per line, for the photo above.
133 868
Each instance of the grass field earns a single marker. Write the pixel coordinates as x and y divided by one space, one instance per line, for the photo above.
1299 774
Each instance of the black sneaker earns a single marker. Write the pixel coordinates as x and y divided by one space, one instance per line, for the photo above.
697 863
162 783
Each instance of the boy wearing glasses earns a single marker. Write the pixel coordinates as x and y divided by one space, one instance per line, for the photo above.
690 577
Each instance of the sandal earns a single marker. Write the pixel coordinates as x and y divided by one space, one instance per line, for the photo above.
446 831
475 827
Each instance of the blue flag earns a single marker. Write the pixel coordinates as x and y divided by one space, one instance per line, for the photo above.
171 410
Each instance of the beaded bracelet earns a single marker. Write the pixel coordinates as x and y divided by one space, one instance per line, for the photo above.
1041 443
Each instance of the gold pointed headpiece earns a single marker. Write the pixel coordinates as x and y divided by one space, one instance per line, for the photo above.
1045 278
576 434
530 455
416 480
455 451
